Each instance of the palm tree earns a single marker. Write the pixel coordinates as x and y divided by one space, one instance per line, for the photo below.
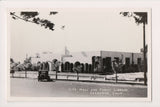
140 18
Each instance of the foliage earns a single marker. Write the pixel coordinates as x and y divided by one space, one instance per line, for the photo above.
27 15
11 60
129 69
27 63
140 17
53 13
77 64
32 16
77 67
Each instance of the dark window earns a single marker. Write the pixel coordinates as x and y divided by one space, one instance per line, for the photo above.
93 62
104 61
90 68
108 61
71 65
127 61
82 67
107 64
86 68
139 61
62 67
67 66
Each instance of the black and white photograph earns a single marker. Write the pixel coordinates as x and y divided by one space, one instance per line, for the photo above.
79 53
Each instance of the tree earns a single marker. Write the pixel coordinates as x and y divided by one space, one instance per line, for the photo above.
12 66
20 67
33 17
11 60
38 65
56 64
140 18
27 65
77 68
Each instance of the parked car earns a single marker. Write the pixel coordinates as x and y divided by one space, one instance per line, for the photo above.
43 75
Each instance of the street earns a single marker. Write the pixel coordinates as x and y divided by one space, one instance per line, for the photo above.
24 87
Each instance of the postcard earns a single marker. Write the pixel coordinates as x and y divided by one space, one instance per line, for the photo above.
79 54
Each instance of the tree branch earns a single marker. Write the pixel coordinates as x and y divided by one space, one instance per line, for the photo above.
28 18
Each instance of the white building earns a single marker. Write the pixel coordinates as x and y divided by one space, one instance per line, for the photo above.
86 57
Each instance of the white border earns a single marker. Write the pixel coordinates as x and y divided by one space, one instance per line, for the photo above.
155 32
148 98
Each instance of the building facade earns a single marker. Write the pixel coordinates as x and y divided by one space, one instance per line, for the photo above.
93 61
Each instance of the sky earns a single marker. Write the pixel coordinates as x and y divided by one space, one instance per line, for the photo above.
86 29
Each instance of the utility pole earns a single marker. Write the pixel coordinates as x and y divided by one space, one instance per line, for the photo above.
144 56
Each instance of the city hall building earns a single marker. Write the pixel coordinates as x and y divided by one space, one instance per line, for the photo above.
89 60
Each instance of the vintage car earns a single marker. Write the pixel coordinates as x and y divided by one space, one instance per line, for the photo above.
43 75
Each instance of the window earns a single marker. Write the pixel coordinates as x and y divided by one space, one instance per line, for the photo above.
139 61
127 61
107 64
67 66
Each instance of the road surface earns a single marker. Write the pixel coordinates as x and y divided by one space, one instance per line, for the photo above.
24 87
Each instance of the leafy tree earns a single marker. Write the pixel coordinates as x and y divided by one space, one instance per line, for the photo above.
27 65
13 66
11 60
20 67
140 18
38 65
77 68
56 64
33 17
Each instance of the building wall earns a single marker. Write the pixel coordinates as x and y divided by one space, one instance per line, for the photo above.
89 60
125 55
86 57
82 57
